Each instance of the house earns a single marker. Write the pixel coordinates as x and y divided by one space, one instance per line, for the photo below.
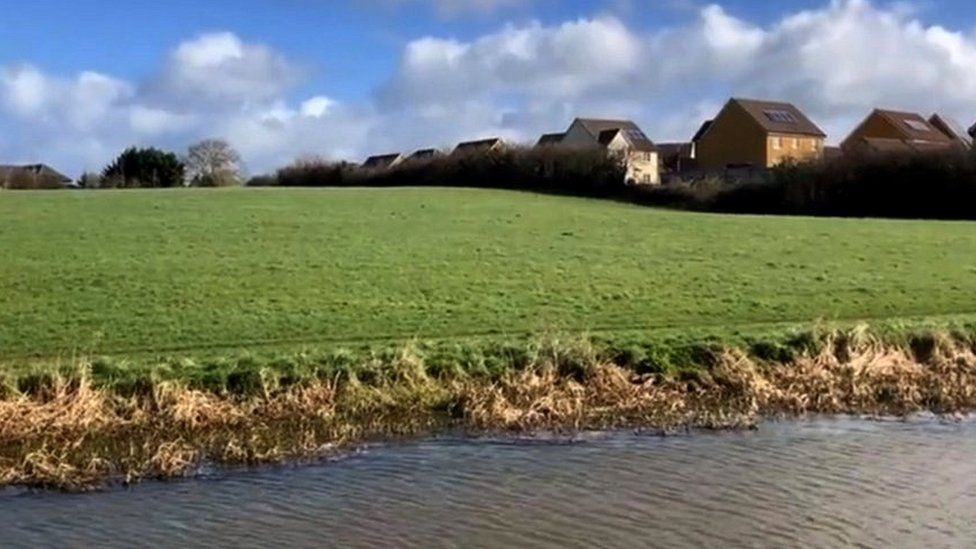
952 129
676 157
383 161
622 138
481 146
550 139
895 131
32 176
757 134
424 155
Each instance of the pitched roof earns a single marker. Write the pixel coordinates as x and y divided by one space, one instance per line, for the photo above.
633 135
550 139
880 144
596 126
478 145
779 117
912 126
951 128
35 170
706 125
382 160
424 154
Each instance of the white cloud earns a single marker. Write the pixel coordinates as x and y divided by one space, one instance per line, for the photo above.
222 69
836 62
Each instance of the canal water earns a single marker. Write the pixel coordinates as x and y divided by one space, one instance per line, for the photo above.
820 482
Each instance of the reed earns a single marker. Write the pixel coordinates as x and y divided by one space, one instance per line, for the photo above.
69 434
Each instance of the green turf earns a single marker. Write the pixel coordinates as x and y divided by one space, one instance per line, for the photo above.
187 271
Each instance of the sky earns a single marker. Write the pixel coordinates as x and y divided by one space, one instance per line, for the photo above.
80 80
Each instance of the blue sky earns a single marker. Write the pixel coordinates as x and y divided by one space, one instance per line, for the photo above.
79 79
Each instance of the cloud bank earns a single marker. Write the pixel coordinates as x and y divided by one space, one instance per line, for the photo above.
836 62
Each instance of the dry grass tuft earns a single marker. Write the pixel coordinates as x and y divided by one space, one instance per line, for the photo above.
74 436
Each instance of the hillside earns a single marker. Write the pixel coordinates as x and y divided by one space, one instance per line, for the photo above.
120 273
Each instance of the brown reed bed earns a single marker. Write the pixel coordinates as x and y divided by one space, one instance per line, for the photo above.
70 434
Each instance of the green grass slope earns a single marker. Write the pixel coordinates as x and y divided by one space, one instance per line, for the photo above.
119 272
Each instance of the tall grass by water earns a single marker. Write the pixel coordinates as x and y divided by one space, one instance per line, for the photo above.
70 434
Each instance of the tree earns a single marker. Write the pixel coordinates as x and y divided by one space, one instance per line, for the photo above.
144 168
89 180
213 163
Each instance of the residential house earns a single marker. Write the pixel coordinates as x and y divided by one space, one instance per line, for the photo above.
550 139
757 134
383 161
32 176
952 129
895 131
622 138
481 146
424 155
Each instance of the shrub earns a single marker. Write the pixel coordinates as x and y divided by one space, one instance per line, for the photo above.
587 172
931 185
144 168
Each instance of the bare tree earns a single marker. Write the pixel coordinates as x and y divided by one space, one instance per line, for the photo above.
213 163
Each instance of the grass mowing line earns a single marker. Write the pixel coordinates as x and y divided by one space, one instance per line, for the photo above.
714 332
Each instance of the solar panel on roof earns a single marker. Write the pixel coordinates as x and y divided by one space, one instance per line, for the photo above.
917 125
780 116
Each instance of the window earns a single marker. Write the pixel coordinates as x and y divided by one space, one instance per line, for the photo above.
777 143
917 125
794 143
785 117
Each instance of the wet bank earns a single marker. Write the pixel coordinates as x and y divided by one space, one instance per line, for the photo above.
73 434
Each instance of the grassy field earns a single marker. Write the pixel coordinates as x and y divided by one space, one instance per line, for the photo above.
184 272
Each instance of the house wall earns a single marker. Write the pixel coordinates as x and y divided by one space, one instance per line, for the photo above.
734 138
792 147
643 167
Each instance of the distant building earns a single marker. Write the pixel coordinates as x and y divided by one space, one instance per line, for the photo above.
32 176
622 138
424 155
895 131
757 134
383 161
550 139
952 129
481 146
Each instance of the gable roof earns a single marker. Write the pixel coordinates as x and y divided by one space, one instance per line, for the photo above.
596 126
424 154
912 126
382 160
633 136
479 145
550 139
706 125
952 129
38 170
778 117
605 130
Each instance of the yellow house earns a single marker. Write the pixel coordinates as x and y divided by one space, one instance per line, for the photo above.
761 134
622 139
